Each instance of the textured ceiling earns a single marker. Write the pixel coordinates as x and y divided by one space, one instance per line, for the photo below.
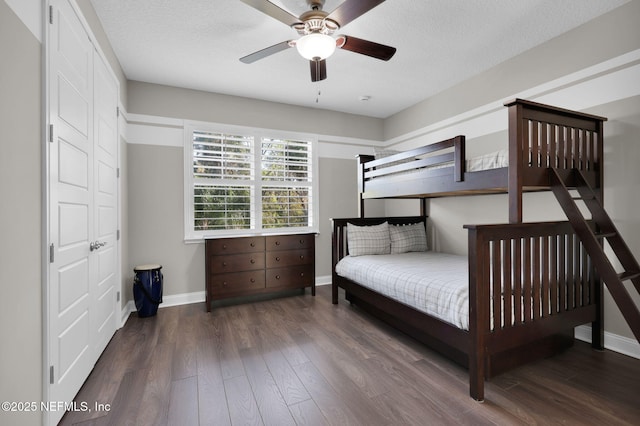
197 44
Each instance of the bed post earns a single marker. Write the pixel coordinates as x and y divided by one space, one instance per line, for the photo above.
478 314
459 159
516 133
423 207
362 158
597 327
335 256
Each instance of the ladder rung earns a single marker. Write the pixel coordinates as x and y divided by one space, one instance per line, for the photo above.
629 275
605 234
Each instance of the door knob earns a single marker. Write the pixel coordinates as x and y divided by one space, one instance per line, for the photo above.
96 245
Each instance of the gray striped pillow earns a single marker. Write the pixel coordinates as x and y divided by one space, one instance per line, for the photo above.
363 240
406 238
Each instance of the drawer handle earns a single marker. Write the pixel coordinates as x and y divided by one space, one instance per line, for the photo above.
301 241
277 277
277 243
253 280
224 263
224 247
302 274
224 284
302 257
253 261
252 244
277 259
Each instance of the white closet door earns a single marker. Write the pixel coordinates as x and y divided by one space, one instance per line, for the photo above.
82 207
105 203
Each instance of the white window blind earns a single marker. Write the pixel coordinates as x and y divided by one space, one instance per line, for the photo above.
221 163
246 181
220 156
286 183
286 160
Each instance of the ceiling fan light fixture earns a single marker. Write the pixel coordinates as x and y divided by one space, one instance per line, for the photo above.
316 46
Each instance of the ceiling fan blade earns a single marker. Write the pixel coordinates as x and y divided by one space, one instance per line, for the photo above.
267 51
272 10
365 47
318 69
351 9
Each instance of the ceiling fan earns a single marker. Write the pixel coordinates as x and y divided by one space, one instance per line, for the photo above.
316 28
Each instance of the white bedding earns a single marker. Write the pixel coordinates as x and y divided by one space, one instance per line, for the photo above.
492 160
434 283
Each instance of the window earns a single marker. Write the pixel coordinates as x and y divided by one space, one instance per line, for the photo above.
246 181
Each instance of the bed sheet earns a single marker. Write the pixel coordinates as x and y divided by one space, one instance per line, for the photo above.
431 282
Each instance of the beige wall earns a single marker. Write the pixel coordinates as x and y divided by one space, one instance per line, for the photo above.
166 101
155 214
20 217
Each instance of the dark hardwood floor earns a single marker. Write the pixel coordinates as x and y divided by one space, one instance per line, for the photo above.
301 360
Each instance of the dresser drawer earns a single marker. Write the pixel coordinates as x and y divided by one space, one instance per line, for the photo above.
290 242
236 262
252 265
280 259
235 245
294 277
237 282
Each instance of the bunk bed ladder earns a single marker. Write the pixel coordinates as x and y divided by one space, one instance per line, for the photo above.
560 184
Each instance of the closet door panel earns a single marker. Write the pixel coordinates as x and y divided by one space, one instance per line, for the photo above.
70 352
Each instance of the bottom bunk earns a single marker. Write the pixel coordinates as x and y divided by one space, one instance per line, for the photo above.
517 296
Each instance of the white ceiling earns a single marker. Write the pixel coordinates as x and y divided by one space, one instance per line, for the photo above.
197 44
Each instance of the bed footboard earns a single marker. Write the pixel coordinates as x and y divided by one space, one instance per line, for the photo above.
527 282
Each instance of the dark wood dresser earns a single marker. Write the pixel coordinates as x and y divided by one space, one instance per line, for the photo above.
244 266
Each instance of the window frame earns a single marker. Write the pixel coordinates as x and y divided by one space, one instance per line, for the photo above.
192 235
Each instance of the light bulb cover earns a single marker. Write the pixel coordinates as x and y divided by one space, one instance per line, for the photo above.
316 45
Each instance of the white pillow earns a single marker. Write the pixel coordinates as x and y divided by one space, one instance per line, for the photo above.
406 238
372 239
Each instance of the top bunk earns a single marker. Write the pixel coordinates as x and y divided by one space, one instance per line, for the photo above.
539 137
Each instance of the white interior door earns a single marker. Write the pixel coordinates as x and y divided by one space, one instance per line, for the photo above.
82 205
105 203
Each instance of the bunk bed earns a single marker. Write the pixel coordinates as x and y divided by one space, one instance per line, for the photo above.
528 284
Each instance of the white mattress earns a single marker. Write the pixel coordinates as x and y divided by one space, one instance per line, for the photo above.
493 160
434 283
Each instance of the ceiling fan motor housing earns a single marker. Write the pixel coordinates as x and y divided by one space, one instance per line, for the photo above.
315 21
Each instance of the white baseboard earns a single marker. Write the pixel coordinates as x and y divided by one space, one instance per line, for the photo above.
167 301
323 280
182 299
614 342
126 311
